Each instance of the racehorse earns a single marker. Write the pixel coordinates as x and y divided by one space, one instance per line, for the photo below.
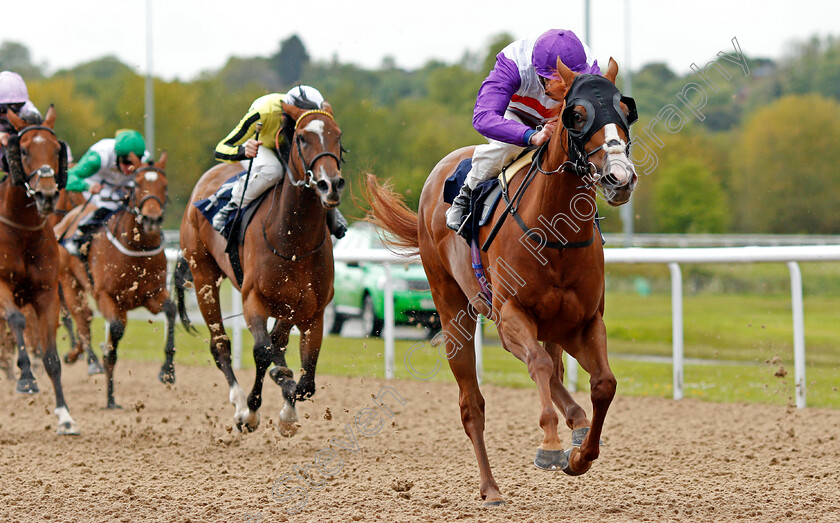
545 270
29 266
127 264
286 258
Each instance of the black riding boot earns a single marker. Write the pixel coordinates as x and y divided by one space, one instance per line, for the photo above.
456 214
336 223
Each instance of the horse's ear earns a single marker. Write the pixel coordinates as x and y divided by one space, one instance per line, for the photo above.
15 120
293 111
135 161
161 163
325 106
566 74
612 71
49 121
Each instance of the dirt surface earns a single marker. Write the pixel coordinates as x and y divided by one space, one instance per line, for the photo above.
172 455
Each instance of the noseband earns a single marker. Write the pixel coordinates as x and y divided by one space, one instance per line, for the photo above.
309 175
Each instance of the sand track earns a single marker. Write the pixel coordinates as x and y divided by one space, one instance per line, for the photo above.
170 455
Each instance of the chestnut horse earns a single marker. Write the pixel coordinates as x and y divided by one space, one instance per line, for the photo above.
29 266
127 263
547 281
286 258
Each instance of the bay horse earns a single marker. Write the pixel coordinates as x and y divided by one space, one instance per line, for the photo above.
286 258
547 281
127 264
29 265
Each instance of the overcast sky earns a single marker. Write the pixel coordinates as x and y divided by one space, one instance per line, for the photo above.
195 35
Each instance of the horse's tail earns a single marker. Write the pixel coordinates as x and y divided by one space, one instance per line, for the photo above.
181 277
389 212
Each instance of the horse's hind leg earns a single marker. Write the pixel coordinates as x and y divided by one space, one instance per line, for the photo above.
574 413
590 350
284 378
207 283
7 347
456 340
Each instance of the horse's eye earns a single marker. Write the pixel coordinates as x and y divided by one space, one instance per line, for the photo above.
578 117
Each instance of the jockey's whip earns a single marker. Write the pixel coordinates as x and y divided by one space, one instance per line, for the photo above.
238 216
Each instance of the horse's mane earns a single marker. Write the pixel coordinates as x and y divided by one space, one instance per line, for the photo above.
32 118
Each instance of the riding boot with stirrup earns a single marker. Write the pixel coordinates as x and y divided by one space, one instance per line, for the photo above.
221 218
336 223
460 209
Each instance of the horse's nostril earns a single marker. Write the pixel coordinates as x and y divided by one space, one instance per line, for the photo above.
323 186
339 184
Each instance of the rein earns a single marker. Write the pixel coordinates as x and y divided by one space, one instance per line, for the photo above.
22 227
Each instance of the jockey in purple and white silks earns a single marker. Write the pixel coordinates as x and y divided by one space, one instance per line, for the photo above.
14 97
511 107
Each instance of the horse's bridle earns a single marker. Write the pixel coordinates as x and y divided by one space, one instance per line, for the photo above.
137 209
44 171
308 166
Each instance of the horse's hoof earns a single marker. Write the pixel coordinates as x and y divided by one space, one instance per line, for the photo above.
113 405
568 468
27 386
167 375
68 428
248 422
287 429
94 367
495 503
551 459
279 374
578 435
67 359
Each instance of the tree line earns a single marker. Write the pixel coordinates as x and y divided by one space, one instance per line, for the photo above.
762 160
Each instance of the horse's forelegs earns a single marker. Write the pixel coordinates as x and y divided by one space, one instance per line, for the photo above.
592 356
115 321
161 302
284 377
312 334
46 309
17 323
574 413
256 317
519 334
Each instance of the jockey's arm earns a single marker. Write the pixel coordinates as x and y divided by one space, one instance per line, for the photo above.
492 101
232 148
88 165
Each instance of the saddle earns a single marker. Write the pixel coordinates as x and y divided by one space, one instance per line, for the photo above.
210 206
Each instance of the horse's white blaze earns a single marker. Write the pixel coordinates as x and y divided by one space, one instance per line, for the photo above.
39 139
620 166
288 414
317 127
151 176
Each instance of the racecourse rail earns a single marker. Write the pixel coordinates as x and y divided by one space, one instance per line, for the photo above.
673 257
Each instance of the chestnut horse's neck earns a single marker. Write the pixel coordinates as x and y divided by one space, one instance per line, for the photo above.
18 207
560 204
128 230
295 224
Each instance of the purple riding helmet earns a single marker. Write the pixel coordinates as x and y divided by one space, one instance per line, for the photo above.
12 88
566 45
